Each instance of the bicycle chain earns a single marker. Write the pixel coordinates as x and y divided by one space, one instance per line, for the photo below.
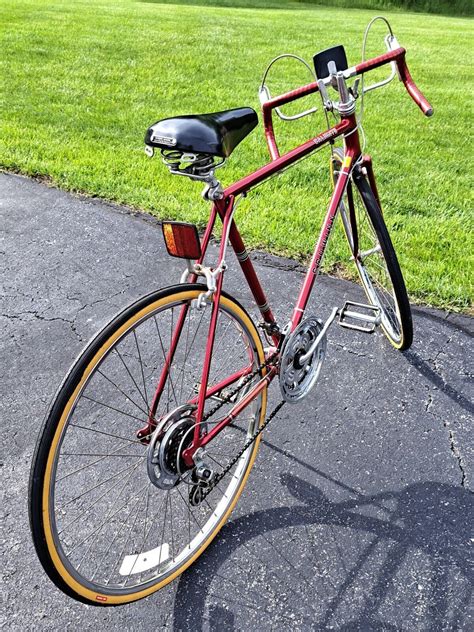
266 364
208 489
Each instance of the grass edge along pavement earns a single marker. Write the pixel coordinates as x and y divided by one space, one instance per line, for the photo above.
75 111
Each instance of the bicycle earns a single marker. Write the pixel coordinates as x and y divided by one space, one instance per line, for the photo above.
153 433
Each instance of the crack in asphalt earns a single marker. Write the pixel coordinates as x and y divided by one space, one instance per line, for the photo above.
351 351
39 316
438 353
456 453
453 447
445 387
72 323
429 403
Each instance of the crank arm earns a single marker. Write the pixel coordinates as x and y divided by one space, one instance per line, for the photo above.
322 333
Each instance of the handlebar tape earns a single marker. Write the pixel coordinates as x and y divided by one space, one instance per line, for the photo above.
398 56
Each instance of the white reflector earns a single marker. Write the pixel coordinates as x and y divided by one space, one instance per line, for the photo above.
144 561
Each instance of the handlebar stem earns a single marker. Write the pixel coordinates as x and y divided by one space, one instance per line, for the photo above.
346 105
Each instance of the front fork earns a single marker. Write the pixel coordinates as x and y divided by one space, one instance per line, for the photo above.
365 168
367 164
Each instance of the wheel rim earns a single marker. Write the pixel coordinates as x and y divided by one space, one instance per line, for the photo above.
373 271
144 535
370 263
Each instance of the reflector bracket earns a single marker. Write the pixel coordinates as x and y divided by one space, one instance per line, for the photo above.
182 240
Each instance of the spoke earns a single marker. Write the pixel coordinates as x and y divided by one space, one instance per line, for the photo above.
102 457
94 540
172 529
171 342
389 310
116 536
218 452
141 367
107 434
195 335
107 517
193 516
117 410
164 526
145 412
145 538
128 539
218 371
131 376
217 343
93 503
210 506
138 456
146 508
185 359
215 460
167 366
193 376
189 517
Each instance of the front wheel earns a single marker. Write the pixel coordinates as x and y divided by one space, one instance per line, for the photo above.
375 258
107 529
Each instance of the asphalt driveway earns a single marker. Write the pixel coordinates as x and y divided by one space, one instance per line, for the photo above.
358 514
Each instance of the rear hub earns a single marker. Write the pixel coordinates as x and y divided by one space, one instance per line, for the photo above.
171 437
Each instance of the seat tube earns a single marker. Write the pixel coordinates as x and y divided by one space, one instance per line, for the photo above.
224 208
251 276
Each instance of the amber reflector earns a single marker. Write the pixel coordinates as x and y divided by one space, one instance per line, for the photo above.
182 240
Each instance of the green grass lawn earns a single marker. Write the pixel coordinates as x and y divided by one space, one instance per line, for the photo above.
81 81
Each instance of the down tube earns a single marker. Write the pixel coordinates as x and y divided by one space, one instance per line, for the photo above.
321 244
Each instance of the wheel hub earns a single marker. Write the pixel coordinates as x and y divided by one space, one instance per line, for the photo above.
164 455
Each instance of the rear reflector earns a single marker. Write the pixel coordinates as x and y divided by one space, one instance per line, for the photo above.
182 240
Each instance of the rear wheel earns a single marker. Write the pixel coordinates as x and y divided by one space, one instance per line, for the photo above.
107 529
375 258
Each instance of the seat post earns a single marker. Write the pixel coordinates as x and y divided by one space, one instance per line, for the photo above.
213 189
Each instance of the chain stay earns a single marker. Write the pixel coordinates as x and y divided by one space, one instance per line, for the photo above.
265 365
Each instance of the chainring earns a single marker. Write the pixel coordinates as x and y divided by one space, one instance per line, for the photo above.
298 378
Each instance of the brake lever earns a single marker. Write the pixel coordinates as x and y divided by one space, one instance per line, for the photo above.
392 44
355 88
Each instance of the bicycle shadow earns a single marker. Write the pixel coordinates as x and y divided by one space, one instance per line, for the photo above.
460 325
423 367
431 518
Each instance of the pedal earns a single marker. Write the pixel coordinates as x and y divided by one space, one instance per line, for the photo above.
368 315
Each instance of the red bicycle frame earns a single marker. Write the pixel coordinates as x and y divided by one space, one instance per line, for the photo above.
224 207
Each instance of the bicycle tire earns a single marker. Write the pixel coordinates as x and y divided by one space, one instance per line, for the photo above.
44 484
396 321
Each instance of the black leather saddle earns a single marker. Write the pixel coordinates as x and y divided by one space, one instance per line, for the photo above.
216 134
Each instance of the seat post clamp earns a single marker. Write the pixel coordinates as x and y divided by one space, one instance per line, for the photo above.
213 190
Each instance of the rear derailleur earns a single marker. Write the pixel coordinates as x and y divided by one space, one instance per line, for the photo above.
202 478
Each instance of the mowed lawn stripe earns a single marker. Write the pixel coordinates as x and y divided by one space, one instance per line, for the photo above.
82 81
